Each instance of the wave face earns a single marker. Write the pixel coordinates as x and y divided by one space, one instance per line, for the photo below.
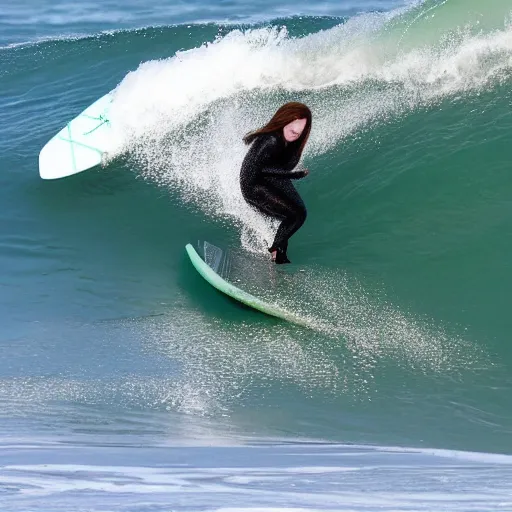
182 117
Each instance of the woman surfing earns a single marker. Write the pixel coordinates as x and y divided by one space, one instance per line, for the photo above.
267 171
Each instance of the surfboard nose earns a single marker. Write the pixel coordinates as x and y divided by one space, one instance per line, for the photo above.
80 145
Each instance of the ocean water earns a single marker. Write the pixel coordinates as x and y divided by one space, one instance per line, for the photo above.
128 384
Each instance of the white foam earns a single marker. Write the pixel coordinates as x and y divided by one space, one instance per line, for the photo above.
250 477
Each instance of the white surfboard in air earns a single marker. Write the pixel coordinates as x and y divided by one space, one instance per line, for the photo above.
80 145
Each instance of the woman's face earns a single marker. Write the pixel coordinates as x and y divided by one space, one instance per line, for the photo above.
292 131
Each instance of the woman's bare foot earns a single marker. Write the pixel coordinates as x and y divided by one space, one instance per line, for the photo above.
274 254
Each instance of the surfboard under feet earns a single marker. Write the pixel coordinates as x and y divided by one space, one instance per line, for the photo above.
222 269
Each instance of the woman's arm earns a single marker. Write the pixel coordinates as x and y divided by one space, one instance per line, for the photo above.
280 173
264 158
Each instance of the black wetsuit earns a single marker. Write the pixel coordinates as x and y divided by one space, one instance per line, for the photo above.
265 180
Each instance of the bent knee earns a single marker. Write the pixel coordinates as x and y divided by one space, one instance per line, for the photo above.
298 217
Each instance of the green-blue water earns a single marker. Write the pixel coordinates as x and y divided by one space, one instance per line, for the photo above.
111 341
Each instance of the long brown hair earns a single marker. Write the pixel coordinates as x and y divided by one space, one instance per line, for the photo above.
286 114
